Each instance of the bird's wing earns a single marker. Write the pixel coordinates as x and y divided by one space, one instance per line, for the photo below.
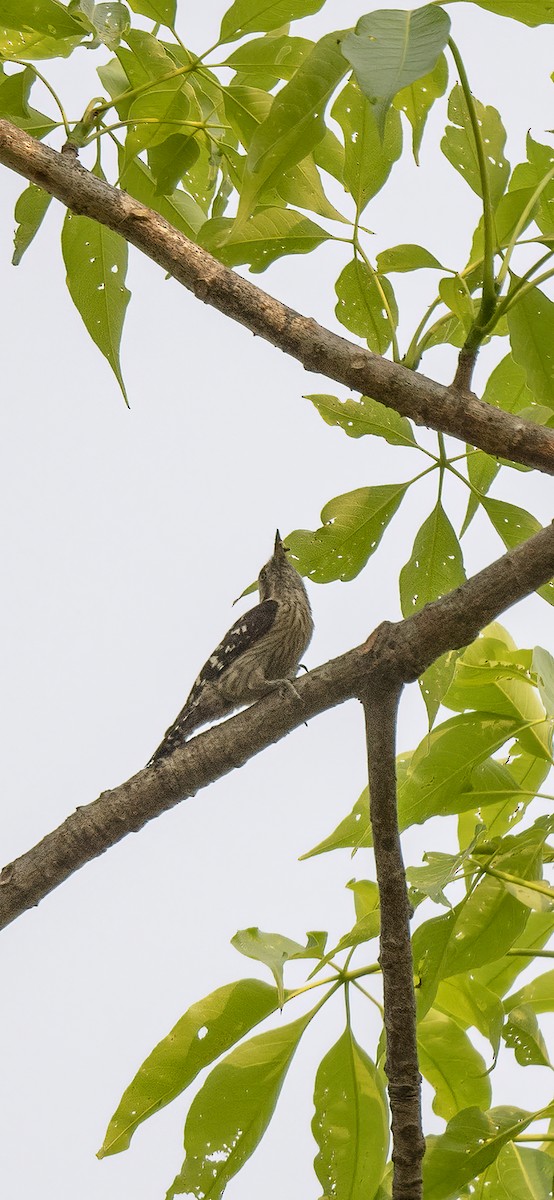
246 631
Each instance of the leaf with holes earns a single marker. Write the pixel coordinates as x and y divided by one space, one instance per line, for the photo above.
458 144
96 263
350 1123
255 16
363 417
269 234
515 525
469 1002
207 1030
538 994
436 565
519 1173
231 1112
390 50
531 326
45 16
522 1035
263 61
161 11
416 100
30 211
366 305
354 830
472 1140
353 525
368 158
435 681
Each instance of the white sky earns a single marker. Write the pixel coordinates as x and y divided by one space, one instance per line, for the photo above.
126 537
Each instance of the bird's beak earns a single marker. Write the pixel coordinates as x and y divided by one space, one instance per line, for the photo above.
278 548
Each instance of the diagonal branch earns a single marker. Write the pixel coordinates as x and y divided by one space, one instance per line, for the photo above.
413 395
404 650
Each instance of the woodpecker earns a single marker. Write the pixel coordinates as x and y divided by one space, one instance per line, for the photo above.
260 653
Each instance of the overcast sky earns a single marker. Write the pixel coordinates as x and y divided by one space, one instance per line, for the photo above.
126 537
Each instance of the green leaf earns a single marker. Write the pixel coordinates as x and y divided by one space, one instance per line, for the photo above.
165 104
531 326
472 1141
364 416
254 16
497 680
406 258
207 1030
515 525
481 471
437 776
263 61
353 525
231 1112
161 11
44 16
435 681
147 59
169 161
365 930
295 123
14 105
519 1174
469 1002
350 1124
531 12
269 234
454 292
528 176
537 995
458 144
366 897
391 49
500 975
368 158
354 830
416 100
506 387
28 43
96 263
30 211
453 1067
179 208
274 950
436 564
522 1035
366 305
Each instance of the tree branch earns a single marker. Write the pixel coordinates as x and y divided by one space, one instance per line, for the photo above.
380 703
413 395
405 649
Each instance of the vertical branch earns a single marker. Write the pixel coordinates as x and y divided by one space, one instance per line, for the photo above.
404 1081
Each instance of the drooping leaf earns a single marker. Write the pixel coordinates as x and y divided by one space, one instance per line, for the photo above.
458 144
435 681
364 416
14 104
532 177
531 326
159 112
256 16
515 525
207 1030
454 292
111 22
96 263
30 211
350 1123
179 208
170 160
231 1112
453 1067
33 45
352 527
366 896
538 994
522 1035
366 305
416 100
295 123
269 234
435 566
406 258
472 1140
500 975
275 950
391 49
469 1002
368 158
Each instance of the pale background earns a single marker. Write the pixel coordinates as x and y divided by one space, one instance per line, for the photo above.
126 537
